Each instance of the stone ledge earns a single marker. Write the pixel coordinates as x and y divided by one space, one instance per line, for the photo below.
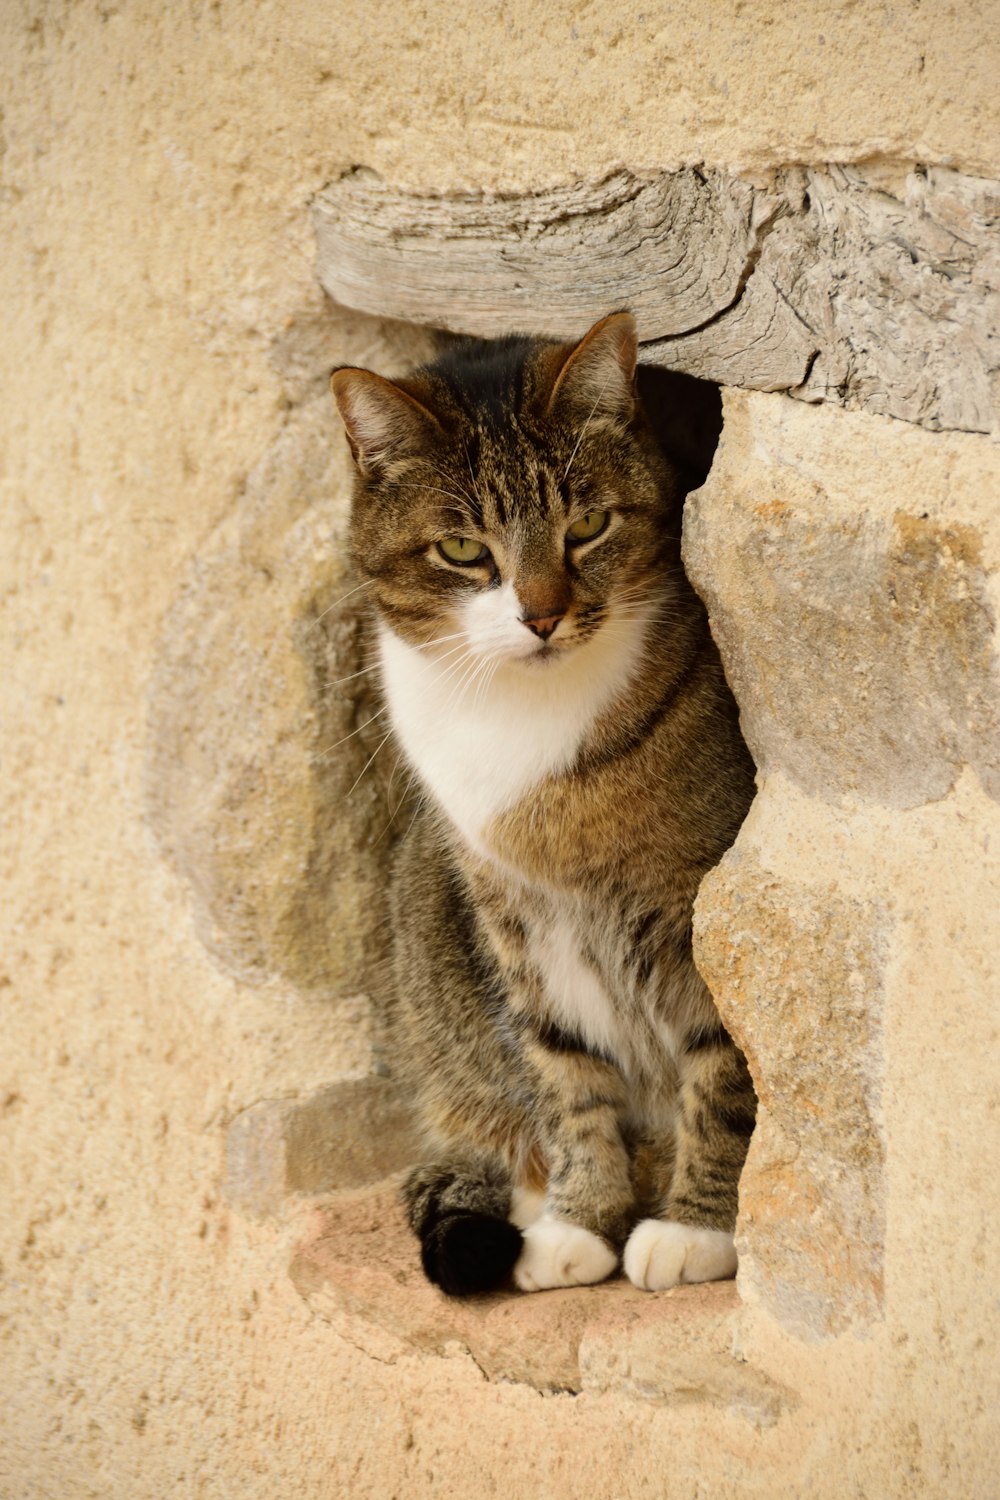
356 1266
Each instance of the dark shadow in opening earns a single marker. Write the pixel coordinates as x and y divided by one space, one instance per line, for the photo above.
686 416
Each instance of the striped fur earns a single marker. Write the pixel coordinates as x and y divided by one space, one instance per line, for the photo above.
564 708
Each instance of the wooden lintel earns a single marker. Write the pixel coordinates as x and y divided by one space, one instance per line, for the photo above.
874 289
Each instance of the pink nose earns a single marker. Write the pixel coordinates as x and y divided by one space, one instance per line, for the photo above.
543 627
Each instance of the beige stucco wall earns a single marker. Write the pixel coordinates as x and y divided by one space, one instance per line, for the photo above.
162 329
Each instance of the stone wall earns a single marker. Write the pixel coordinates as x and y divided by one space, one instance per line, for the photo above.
205 1289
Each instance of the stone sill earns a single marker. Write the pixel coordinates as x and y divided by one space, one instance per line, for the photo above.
357 1267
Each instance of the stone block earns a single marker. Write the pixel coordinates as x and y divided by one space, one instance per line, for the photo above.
797 973
354 1132
853 602
270 783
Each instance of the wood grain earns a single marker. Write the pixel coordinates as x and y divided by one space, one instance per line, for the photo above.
876 288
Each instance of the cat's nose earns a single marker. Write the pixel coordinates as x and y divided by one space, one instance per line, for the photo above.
544 625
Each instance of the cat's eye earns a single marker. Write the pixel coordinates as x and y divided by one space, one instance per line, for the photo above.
463 550
587 526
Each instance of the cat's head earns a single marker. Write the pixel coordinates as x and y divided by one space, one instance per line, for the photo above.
510 497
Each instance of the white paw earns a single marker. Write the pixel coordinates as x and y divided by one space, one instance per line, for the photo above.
661 1254
559 1254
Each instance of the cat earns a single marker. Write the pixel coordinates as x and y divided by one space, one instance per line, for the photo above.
550 677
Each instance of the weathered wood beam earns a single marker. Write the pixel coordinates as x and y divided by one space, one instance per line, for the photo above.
828 284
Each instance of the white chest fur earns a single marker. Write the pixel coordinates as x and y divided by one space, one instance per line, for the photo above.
480 740
575 992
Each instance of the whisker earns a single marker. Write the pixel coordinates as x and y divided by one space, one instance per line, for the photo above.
481 676
407 789
366 585
392 815
450 478
441 640
484 686
351 675
475 487
321 754
465 670
583 429
392 778
461 651
460 673
473 667
409 825
370 759
452 494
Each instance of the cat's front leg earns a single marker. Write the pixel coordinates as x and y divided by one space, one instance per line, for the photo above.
692 1239
589 1199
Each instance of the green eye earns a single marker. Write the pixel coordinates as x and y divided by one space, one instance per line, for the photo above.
463 549
587 526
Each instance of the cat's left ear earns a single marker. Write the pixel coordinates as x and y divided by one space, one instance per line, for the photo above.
597 376
383 421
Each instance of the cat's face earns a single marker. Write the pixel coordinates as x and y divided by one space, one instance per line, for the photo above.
510 502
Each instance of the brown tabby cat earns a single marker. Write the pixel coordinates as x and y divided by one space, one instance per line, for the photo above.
551 679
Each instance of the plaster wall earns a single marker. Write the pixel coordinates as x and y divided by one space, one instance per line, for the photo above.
172 494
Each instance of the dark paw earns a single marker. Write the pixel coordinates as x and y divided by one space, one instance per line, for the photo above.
464 1253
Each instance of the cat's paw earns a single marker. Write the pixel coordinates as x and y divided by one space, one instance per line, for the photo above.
660 1254
559 1254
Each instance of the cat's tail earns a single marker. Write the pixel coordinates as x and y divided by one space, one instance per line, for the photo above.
458 1210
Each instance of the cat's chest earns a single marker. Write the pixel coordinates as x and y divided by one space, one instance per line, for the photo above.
481 744
590 991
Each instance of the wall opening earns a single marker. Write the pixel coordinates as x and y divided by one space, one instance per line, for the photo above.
267 788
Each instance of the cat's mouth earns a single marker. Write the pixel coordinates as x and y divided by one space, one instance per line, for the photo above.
546 653
543 654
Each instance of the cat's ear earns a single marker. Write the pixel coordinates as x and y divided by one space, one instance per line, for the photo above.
383 421
597 376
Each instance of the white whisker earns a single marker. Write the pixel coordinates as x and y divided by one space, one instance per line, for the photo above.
320 754
370 759
452 494
393 811
409 826
442 640
367 584
475 487
583 429
443 474
364 672
484 686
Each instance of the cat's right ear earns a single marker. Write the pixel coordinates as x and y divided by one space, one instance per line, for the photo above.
596 377
383 421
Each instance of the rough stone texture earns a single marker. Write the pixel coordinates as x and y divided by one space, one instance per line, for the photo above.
851 570
875 286
269 771
806 1006
162 321
897 273
891 586
340 1137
